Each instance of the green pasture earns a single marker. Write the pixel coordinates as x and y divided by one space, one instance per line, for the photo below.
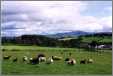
102 61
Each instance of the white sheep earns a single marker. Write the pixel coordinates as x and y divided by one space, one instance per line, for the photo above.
6 57
30 58
33 61
50 60
56 58
42 59
25 59
90 61
71 61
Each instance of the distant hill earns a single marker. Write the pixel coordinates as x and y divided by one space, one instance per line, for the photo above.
100 34
69 34
78 33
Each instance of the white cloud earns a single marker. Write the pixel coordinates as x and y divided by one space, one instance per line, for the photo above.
42 17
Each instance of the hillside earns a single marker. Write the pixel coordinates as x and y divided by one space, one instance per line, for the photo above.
69 34
74 34
41 40
101 37
30 40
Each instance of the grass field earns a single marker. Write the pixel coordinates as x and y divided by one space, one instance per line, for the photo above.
102 62
105 39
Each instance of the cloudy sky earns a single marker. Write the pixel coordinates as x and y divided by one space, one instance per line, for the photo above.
50 17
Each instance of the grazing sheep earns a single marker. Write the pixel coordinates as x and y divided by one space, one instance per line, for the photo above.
6 57
15 60
42 59
90 61
30 60
34 61
49 61
84 61
25 59
56 58
71 62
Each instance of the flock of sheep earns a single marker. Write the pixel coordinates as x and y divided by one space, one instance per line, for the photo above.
42 58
